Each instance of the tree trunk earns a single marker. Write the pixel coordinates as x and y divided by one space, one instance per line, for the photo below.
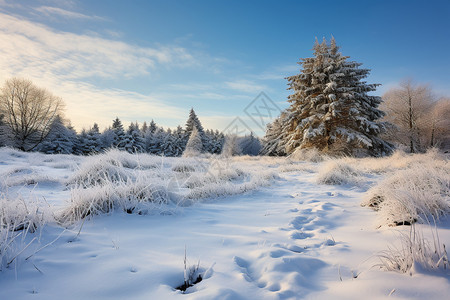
411 123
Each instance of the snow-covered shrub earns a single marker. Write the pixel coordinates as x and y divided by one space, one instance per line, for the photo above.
423 190
415 254
339 171
311 155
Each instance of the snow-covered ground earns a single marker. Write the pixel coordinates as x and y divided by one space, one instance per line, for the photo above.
256 228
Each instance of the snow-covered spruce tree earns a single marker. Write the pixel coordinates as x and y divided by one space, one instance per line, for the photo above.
216 142
88 141
60 139
119 134
155 141
133 140
249 145
194 145
330 106
144 128
168 144
107 139
179 143
193 122
273 142
277 135
81 146
152 127
93 142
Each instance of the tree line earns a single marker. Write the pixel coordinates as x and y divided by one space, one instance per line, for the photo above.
331 109
31 120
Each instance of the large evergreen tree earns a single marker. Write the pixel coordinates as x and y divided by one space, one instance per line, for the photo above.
330 106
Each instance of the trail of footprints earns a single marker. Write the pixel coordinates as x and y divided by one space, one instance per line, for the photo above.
308 231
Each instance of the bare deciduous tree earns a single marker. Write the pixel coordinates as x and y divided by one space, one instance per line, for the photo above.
439 126
29 111
408 107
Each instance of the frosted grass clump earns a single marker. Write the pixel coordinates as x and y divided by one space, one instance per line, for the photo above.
102 184
339 171
397 161
406 196
139 196
19 218
415 254
310 155
113 165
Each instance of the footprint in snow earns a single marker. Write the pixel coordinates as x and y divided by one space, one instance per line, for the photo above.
299 222
300 235
244 266
278 253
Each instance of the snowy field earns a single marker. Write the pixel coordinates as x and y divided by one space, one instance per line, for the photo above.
117 226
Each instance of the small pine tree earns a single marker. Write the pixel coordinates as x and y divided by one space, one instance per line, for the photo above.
231 146
193 122
93 139
144 128
119 134
194 145
152 127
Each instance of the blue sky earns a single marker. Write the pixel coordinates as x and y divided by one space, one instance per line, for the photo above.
143 60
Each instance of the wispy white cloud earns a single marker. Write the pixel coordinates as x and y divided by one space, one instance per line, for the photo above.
279 72
32 46
64 62
246 86
51 11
